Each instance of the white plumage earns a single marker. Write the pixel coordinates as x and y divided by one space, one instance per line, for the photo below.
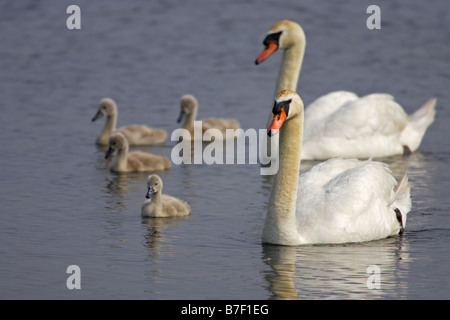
341 124
347 200
337 201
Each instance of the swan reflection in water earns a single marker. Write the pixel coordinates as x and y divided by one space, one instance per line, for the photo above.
337 271
340 271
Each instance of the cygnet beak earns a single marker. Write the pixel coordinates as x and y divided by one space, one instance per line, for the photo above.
180 117
150 192
98 115
109 152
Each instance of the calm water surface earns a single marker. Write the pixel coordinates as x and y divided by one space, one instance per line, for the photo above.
61 206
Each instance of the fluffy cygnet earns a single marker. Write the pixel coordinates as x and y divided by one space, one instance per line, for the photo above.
160 205
135 134
136 161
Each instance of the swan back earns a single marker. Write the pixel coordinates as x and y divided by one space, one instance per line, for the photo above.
365 127
347 200
136 161
142 135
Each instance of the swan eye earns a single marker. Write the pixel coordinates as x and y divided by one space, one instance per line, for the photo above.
281 105
274 37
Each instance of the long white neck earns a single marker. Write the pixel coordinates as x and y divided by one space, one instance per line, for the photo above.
290 67
110 126
280 226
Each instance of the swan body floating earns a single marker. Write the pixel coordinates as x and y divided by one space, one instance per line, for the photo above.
189 109
341 124
136 161
160 205
135 134
337 201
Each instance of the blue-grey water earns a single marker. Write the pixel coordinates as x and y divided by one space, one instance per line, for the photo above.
60 205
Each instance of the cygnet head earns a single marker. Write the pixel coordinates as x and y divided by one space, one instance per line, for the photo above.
106 108
282 35
188 104
287 105
117 141
154 185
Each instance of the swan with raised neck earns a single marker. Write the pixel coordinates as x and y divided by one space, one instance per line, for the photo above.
363 127
337 201
287 36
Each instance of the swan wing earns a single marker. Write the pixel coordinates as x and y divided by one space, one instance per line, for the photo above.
319 110
346 200
371 115
139 161
174 207
370 126
140 134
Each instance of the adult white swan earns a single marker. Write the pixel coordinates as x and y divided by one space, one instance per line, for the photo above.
337 201
340 124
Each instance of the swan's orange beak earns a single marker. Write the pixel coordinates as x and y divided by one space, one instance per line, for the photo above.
268 50
277 122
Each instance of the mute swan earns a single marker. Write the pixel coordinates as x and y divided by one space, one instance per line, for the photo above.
341 124
135 134
161 205
189 108
337 201
136 161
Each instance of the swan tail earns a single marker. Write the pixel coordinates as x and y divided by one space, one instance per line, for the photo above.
401 201
419 122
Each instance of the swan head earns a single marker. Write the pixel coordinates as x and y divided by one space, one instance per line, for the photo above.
282 35
117 141
188 104
106 108
154 185
287 105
